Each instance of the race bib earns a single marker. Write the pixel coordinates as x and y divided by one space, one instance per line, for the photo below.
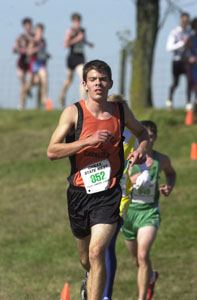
144 195
96 177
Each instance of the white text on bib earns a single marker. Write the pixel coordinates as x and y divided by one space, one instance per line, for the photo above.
144 195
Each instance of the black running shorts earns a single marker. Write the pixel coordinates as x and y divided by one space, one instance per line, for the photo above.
23 63
178 68
86 210
75 59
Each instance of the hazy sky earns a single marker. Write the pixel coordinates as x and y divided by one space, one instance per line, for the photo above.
102 20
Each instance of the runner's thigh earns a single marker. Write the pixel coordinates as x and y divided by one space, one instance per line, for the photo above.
101 235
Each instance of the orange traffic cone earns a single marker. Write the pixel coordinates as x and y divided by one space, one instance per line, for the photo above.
189 119
49 104
193 153
65 295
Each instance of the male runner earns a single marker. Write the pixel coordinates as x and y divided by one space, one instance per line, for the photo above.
39 56
143 216
93 129
23 67
75 39
176 43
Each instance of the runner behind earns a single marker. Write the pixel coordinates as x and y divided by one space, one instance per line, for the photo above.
143 216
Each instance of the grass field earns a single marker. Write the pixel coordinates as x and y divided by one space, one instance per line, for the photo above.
37 250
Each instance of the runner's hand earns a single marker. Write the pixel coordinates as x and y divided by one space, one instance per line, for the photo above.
136 157
143 180
165 189
80 36
185 40
192 59
100 136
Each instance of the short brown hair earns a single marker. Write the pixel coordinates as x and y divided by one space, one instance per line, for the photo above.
97 65
41 26
26 20
76 16
150 125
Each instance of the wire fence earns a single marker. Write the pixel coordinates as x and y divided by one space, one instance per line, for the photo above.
10 87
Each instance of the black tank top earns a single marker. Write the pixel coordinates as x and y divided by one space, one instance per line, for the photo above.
78 47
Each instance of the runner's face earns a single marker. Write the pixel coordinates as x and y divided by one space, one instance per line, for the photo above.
76 24
152 137
38 32
27 27
97 85
184 21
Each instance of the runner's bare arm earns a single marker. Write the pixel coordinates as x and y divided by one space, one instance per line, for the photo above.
33 50
139 155
67 38
90 44
69 41
166 166
17 48
57 149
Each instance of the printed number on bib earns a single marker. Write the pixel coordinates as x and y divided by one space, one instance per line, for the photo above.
96 177
144 195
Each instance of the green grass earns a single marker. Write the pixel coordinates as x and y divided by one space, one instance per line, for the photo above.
37 250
